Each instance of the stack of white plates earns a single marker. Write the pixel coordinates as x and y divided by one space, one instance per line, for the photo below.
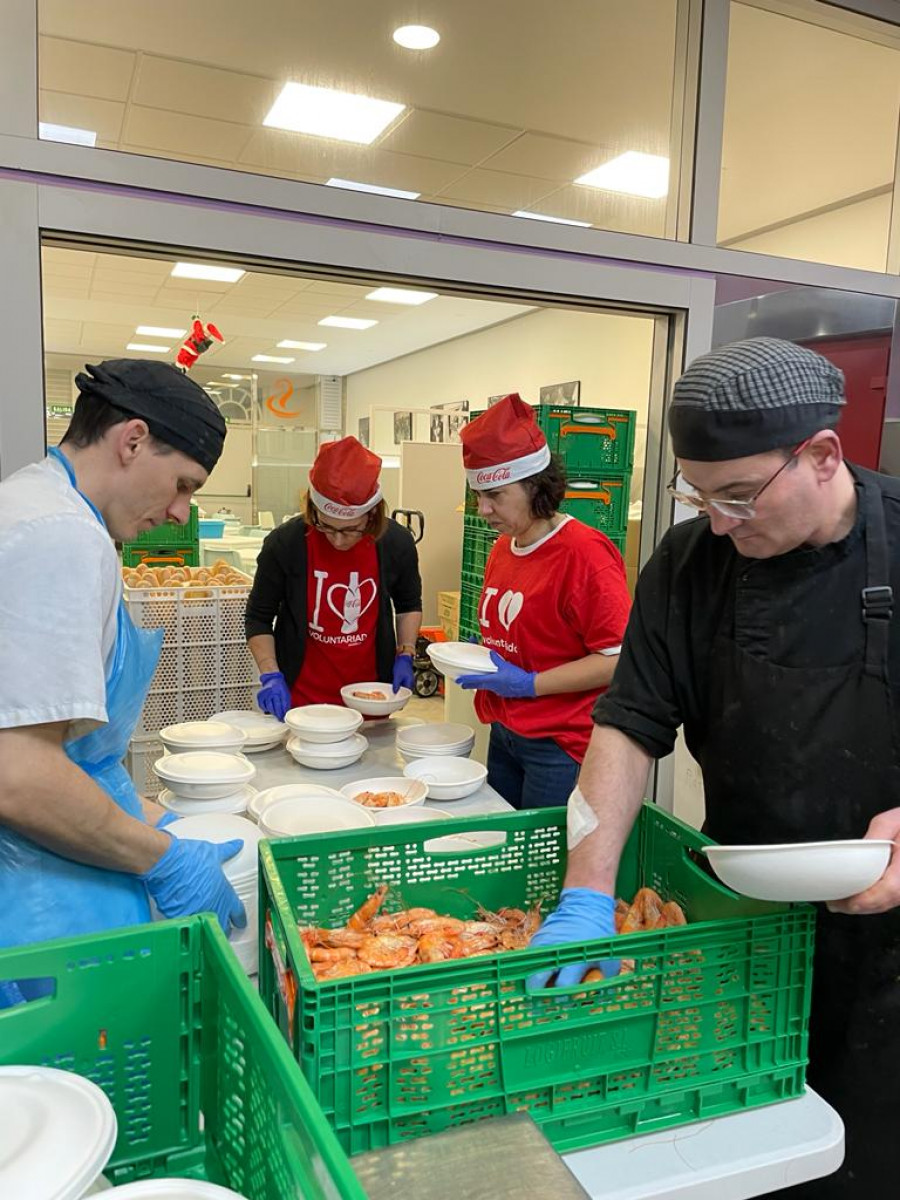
461 658
264 798
327 756
237 803
323 723
425 741
204 774
202 735
240 871
263 732
299 815
447 778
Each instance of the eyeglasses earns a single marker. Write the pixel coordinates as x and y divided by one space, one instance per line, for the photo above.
736 510
330 531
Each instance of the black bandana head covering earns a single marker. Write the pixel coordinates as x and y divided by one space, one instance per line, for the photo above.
751 397
176 409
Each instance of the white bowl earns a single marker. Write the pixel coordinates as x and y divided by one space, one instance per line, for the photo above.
236 803
297 817
375 708
801 871
202 735
327 757
323 722
461 658
173 1189
204 775
413 791
299 791
448 778
442 737
261 730
223 827
410 814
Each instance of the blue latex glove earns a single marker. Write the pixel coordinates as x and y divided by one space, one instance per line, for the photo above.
582 916
274 696
404 675
508 680
167 819
189 879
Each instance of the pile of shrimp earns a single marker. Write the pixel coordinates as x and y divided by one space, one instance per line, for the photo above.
375 941
647 911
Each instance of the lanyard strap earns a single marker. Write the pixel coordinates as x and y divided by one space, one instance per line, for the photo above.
877 595
57 454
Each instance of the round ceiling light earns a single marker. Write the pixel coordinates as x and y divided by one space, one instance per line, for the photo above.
416 37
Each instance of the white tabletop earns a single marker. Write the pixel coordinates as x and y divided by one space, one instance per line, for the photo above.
728 1158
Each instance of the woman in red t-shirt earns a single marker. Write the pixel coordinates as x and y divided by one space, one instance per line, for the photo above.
553 611
337 596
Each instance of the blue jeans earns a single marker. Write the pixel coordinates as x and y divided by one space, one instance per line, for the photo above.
529 772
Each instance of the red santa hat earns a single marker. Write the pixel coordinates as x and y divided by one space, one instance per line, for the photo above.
503 445
343 482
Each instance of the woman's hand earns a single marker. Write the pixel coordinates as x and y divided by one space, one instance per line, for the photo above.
508 680
884 895
274 696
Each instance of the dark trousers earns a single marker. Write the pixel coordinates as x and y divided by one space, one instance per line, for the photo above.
529 772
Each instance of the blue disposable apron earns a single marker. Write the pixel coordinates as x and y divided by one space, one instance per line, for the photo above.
43 895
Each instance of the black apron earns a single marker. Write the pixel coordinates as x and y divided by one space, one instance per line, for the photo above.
811 754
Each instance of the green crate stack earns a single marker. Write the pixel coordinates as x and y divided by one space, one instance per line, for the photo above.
601 502
712 1019
164 1020
165 540
598 440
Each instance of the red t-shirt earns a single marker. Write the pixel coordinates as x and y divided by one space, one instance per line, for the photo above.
549 604
341 612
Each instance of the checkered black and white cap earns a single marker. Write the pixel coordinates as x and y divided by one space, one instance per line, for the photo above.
751 397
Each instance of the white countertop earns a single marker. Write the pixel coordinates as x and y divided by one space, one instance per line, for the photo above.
729 1158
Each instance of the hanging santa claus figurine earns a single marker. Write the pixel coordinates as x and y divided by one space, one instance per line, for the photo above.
198 340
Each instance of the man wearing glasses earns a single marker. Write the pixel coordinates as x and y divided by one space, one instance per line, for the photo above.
765 628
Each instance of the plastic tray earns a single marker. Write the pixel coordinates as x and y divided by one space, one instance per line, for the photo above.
162 1018
713 1020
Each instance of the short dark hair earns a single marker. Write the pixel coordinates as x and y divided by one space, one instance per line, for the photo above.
93 418
547 489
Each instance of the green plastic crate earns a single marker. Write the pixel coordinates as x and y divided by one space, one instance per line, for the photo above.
469 599
476 550
586 439
171 534
599 501
163 1019
160 555
713 1020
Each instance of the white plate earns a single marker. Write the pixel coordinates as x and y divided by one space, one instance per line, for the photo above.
323 722
441 734
202 735
461 658
259 728
57 1131
236 803
375 708
222 827
299 791
412 789
204 775
448 778
295 818
173 1189
801 871
261 747
327 757
462 751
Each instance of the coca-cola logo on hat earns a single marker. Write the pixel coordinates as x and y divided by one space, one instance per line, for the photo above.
335 510
494 475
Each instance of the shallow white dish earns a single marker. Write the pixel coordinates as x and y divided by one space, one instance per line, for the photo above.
173 1189
443 736
202 735
410 814
297 817
330 756
448 778
413 791
57 1131
375 708
204 774
300 791
323 722
223 827
801 871
236 803
461 658
260 729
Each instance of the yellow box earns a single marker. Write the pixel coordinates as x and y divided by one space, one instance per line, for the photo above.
448 613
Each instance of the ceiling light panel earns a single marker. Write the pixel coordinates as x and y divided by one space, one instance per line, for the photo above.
416 37
287 344
390 295
347 322
67 133
533 216
272 358
146 348
186 270
632 174
323 112
159 331
352 186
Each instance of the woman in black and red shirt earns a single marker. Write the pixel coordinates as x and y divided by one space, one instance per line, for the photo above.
337 596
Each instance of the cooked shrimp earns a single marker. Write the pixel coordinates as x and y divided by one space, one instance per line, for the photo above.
445 925
469 944
367 911
435 947
327 954
340 969
671 915
341 937
388 950
651 906
386 923
405 918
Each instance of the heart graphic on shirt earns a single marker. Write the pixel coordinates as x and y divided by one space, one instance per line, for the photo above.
508 607
352 607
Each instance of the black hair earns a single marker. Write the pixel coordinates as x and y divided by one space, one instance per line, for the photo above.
547 489
93 418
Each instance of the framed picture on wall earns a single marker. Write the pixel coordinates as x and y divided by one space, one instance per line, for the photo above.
363 435
492 400
403 430
437 427
562 393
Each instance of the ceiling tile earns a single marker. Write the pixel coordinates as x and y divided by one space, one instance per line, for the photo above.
183 136
606 210
453 139
387 169
62 258
84 70
499 189
84 112
537 155
201 91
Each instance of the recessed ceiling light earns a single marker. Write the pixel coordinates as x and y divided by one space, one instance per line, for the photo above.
287 344
416 37
353 186
347 322
324 112
272 358
633 173
67 133
554 220
159 331
186 270
146 348
389 295
227 376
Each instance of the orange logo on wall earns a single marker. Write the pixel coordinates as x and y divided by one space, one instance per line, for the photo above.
277 401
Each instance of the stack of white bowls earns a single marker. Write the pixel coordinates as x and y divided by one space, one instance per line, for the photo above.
427 741
240 871
200 782
324 736
461 658
261 731
302 790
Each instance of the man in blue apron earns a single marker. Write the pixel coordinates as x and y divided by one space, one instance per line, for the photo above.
79 850
765 627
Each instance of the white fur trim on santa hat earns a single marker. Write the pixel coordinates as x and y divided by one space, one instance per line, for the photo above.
484 479
342 512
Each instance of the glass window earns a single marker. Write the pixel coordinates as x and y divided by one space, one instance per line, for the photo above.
560 111
811 124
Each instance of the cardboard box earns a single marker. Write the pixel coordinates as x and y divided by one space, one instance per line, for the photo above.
448 614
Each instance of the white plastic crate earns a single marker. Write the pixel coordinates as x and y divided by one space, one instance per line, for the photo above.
142 754
204 665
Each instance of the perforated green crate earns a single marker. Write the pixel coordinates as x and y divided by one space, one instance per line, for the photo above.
712 1020
599 501
170 533
477 547
163 1019
586 439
